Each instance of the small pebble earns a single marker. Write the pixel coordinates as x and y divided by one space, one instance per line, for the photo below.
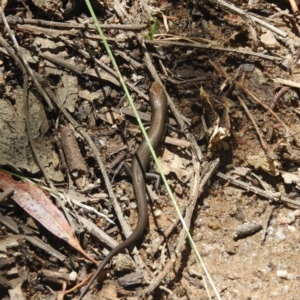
158 212
292 228
133 205
101 142
280 235
73 276
282 274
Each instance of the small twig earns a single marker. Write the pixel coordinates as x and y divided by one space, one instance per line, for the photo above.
295 111
190 208
165 234
47 31
204 126
207 77
131 61
294 7
194 146
197 186
287 82
28 127
120 157
7 193
62 160
18 20
218 67
60 204
210 47
93 210
12 53
177 142
262 183
264 234
263 105
113 72
276 197
174 297
262 142
78 69
159 278
97 233
196 190
278 96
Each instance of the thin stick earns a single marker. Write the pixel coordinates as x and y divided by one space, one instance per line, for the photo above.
210 47
248 187
7 193
28 127
159 278
264 234
52 24
263 105
262 142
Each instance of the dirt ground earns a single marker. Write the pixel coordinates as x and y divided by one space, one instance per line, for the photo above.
231 159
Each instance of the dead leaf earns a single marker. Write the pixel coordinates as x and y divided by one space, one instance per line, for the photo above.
35 202
260 161
172 162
